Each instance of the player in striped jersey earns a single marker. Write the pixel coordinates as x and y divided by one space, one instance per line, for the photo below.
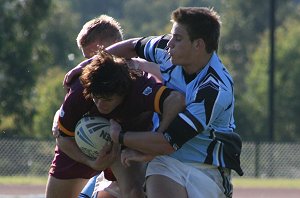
197 151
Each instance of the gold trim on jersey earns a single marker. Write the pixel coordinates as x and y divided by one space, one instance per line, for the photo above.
157 99
65 131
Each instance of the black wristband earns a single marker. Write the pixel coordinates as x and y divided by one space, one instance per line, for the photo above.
121 137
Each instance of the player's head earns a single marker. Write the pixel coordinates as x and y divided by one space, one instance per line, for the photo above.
200 23
99 32
193 28
107 80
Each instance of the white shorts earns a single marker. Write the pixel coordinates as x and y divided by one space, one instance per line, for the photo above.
103 184
200 180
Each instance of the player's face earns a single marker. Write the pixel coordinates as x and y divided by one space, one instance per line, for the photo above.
180 45
108 104
91 49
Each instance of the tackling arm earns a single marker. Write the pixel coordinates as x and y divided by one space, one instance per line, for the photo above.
106 157
150 142
124 48
146 66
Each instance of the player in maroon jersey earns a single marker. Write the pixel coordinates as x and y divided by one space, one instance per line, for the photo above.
113 91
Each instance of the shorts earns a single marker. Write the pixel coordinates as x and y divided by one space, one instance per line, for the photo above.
103 184
199 180
63 167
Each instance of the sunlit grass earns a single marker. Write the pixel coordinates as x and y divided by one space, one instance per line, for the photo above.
23 180
265 183
237 182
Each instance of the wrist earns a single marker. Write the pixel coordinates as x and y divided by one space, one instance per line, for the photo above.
121 137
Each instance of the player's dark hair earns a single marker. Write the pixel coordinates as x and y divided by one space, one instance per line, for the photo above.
200 22
106 76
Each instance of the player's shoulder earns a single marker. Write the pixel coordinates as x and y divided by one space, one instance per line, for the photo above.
144 87
146 79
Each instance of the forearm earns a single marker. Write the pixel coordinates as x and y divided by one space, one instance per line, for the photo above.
173 104
124 48
70 148
150 143
148 67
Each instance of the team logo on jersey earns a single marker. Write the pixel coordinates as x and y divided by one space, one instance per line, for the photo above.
147 91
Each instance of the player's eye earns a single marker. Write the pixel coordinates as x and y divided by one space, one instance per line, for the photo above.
177 38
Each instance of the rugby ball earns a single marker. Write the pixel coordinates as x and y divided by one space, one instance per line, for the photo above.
91 134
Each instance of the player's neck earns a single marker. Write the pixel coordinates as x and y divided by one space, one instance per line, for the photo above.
197 63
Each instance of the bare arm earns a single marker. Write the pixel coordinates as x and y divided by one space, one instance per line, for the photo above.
129 155
124 48
173 104
150 142
106 157
146 142
149 67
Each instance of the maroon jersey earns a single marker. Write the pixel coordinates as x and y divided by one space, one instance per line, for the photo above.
144 97
134 113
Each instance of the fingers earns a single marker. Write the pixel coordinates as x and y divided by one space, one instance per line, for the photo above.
128 156
112 122
107 155
124 158
114 130
105 149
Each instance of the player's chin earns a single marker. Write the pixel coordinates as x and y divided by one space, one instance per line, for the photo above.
104 111
175 61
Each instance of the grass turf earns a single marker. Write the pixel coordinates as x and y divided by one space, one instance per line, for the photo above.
237 182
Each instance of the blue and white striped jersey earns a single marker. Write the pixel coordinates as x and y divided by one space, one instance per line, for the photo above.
209 107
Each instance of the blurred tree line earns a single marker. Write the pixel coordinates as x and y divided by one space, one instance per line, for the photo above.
38 46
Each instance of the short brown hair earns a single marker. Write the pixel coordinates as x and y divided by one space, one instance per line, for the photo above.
107 75
102 27
200 22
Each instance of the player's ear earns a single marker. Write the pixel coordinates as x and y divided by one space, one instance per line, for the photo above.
199 43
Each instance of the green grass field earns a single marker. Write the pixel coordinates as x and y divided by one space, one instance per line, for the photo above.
237 182
266 183
23 180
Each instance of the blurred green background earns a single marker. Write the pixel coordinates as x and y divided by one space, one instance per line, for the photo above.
38 46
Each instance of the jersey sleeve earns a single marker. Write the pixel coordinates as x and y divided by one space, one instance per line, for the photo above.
153 48
74 107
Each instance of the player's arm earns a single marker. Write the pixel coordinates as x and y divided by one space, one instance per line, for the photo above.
170 104
187 124
74 73
126 49
74 106
166 142
106 157
146 66
123 49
